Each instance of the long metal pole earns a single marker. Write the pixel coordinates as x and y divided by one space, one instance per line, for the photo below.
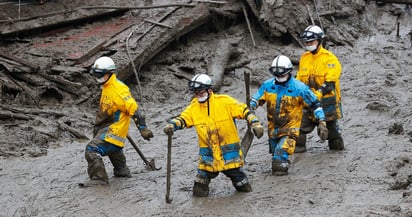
169 167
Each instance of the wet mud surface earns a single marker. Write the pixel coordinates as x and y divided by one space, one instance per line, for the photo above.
371 177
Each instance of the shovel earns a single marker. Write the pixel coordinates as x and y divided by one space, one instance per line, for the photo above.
248 137
151 164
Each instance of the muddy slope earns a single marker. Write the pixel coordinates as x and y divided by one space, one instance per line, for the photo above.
371 177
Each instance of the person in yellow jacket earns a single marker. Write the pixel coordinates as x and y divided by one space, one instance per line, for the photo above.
320 69
117 107
213 116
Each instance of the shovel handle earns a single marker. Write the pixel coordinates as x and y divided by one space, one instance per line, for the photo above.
138 150
246 74
169 167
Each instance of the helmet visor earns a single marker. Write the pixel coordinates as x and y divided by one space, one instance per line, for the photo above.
307 36
99 73
196 86
278 70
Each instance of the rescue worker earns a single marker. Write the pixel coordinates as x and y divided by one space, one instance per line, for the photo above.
213 116
284 97
320 70
111 125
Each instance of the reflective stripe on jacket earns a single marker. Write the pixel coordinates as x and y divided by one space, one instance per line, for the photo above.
117 103
284 104
316 69
216 129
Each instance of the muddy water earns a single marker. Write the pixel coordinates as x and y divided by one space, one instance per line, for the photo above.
354 182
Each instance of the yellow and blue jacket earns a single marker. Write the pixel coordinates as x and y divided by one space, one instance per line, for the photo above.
284 103
116 107
215 124
314 71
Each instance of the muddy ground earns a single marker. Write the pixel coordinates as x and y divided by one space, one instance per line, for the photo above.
371 177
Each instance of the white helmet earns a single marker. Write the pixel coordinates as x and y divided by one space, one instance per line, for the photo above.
281 65
102 66
312 33
200 82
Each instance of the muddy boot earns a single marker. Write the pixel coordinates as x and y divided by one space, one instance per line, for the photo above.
120 169
280 168
93 183
301 144
244 188
200 190
123 172
95 167
336 144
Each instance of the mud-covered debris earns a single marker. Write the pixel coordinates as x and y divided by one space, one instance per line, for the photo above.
396 128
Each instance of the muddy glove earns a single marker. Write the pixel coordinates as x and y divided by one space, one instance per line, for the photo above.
140 121
168 129
146 133
257 129
322 131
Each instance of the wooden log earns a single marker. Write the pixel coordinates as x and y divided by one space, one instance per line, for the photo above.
396 1
89 53
65 12
248 24
71 130
10 115
33 111
23 87
138 7
253 7
220 59
16 59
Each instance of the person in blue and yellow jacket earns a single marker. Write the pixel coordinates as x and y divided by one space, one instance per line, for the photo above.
285 97
320 69
213 116
117 107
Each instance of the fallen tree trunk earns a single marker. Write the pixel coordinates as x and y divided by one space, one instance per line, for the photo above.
216 68
72 130
396 1
217 65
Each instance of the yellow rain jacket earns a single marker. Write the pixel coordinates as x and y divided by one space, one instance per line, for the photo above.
116 107
216 129
315 70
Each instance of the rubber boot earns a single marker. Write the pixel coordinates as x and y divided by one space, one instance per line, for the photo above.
280 168
336 144
335 140
123 172
95 167
120 169
301 144
244 188
200 190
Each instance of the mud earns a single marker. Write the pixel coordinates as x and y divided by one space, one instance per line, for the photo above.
371 177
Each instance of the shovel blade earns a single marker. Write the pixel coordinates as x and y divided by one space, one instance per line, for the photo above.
246 142
151 165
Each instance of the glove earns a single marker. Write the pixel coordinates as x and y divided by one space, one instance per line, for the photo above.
146 133
257 129
168 129
322 131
